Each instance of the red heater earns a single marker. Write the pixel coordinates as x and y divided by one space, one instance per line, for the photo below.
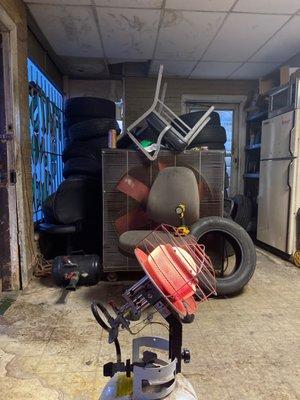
178 276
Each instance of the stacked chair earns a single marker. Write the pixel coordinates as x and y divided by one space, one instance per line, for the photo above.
73 212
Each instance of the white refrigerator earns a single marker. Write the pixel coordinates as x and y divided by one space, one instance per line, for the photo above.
279 182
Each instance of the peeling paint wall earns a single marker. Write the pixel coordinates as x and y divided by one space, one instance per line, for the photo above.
15 10
139 92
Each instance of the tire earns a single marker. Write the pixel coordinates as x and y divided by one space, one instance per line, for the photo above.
90 149
92 128
243 247
210 134
242 210
92 107
82 166
192 118
210 146
68 122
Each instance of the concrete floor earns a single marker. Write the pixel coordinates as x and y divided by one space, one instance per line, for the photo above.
244 347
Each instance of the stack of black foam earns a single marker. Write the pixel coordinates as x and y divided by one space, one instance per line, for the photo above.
78 198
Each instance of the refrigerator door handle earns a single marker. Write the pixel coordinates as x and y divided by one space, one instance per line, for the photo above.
290 174
292 141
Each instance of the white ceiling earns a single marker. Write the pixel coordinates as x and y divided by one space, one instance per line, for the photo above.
236 39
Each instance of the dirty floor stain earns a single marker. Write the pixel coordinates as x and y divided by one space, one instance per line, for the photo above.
243 347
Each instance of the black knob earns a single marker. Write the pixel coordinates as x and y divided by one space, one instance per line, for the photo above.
186 356
108 369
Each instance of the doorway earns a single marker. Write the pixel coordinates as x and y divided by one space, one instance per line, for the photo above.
228 119
232 117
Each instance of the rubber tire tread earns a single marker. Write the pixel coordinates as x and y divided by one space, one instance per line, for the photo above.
82 166
93 107
192 118
235 282
210 134
92 128
89 149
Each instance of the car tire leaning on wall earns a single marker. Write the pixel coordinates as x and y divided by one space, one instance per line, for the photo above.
242 245
92 128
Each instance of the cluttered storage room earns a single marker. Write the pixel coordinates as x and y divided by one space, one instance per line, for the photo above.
149 199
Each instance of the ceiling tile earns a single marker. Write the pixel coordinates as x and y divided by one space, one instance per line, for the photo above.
129 3
284 45
184 35
253 70
207 69
71 31
241 35
128 33
61 2
91 68
203 5
268 6
173 68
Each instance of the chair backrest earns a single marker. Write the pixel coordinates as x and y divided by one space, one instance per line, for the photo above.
174 186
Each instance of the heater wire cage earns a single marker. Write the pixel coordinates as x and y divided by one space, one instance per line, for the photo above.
177 265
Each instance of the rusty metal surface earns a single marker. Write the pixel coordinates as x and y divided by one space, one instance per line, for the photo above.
208 167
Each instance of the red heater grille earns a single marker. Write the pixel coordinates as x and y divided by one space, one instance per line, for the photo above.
178 267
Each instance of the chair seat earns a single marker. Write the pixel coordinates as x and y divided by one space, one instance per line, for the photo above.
54 229
172 138
129 240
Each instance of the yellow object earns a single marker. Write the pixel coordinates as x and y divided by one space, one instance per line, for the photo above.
183 230
296 258
124 386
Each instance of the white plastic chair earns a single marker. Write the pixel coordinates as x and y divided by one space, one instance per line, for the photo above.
175 132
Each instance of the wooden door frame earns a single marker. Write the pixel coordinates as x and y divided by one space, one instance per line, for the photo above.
11 278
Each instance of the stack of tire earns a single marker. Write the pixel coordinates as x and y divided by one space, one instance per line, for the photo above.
212 136
87 124
78 198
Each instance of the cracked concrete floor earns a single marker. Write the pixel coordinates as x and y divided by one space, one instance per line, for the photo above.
244 347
